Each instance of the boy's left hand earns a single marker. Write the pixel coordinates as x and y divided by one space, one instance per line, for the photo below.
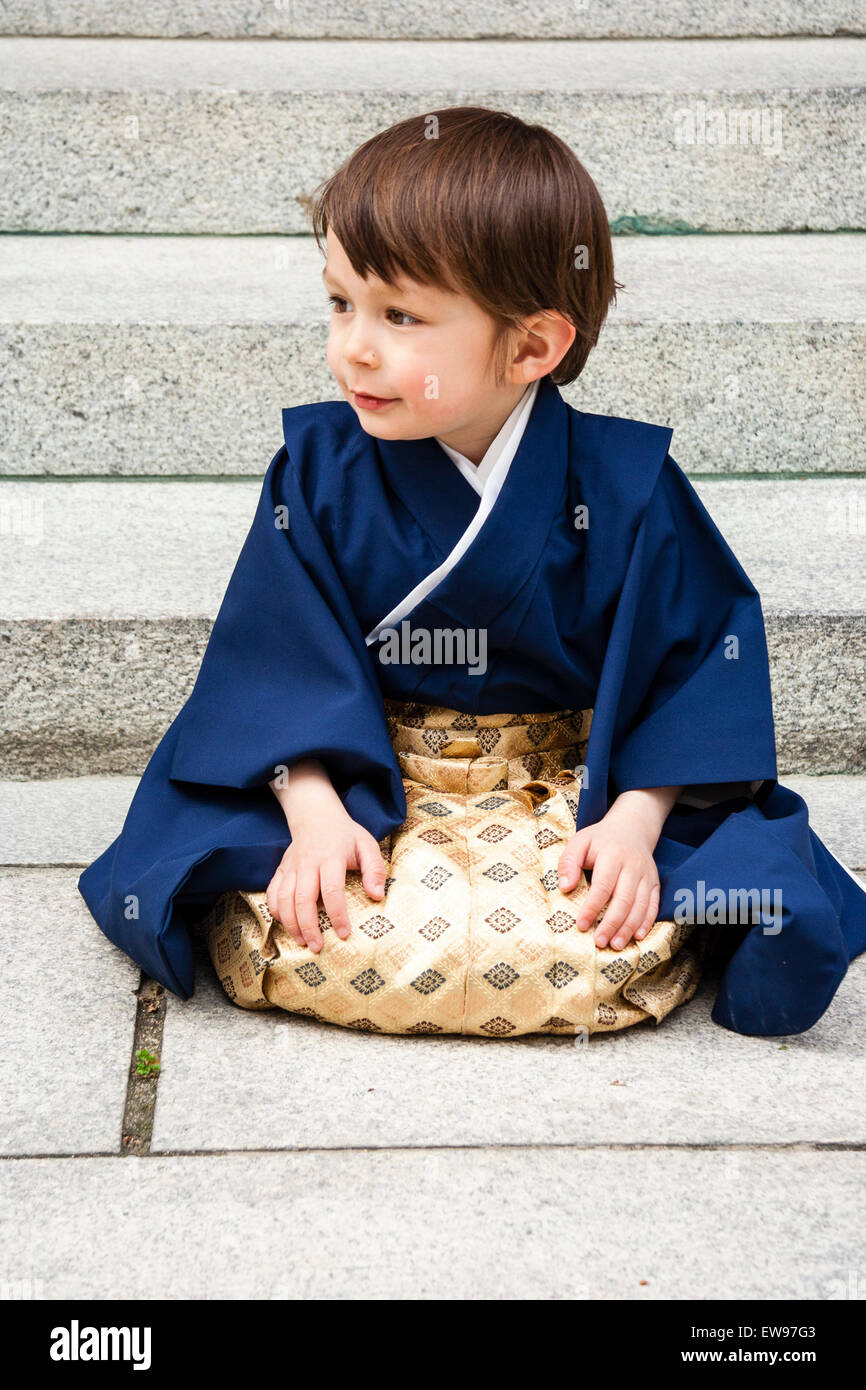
619 851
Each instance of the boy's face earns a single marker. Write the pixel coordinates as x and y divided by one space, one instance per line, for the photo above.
413 360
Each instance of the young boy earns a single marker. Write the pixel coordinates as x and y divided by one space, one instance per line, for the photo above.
453 493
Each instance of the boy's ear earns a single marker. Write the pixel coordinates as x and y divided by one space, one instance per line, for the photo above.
542 342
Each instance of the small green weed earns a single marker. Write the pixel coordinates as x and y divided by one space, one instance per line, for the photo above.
146 1064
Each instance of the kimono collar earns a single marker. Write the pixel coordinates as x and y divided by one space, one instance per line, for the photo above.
489 546
506 441
444 499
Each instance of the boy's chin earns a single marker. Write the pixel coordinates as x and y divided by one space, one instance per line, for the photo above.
390 425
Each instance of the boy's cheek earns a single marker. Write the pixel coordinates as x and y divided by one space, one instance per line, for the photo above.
334 357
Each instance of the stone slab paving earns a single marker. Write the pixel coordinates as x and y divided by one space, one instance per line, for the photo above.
214 136
67 1006
233 1079
173 355
455 1224
448 19
449 1168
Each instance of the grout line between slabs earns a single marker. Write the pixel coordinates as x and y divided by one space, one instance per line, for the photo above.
757 1147
141 1090
430 40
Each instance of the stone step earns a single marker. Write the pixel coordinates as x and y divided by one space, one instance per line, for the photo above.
111 588
750 347
210 135
68 821
352 19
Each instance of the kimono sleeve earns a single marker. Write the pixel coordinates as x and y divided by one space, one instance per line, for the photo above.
286 674
694 707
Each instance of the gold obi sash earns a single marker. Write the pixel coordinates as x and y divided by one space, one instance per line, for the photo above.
468 753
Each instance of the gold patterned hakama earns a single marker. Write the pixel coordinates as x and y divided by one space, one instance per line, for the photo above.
473 934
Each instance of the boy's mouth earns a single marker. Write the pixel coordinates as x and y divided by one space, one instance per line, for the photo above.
365 402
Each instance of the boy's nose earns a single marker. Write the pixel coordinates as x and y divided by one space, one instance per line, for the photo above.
358 348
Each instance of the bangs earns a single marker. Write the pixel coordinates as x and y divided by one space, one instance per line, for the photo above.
395 209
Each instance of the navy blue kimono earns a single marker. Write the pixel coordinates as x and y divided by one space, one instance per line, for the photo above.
601 582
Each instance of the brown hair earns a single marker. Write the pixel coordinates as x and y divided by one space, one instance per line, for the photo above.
480 202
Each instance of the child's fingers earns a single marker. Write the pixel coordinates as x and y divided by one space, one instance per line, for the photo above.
605 873
651 913
623 934
372 866
571 861
307 905
619 906
333 877
286 905
273 893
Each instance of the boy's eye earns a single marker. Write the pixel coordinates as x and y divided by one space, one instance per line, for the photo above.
338 304
401 314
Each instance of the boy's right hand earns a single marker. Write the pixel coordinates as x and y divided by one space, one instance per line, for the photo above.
325 843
